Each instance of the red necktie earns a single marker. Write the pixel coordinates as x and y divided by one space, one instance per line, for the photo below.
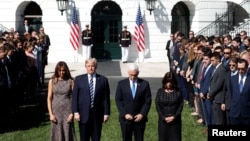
202 74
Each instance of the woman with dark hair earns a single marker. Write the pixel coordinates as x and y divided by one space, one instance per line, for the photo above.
169 105
59 104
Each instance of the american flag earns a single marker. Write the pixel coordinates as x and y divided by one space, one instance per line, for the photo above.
74 30
139 31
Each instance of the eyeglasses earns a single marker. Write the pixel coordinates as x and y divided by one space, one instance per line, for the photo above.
227 52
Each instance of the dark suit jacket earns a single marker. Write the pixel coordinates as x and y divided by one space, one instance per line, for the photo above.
185 64
205 81
226 97
197 70
216 84
22 30
240 102
127 105
168 47
81 98
225 62
182 60
3 79
176 54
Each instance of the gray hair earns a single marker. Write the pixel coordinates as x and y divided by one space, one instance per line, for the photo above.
91 60
133 67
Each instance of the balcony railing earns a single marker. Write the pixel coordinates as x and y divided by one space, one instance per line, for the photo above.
244 26
3 28
224 22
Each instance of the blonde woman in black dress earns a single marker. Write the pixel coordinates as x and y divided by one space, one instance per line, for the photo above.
169 105
60 104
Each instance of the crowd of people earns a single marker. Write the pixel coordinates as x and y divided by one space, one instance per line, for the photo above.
23 60
210 74
213 75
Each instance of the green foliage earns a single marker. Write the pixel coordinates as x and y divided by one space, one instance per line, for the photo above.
111 130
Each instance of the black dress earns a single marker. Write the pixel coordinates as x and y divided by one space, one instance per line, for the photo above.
169 104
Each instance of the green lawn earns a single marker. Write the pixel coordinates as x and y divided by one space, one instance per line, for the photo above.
36 127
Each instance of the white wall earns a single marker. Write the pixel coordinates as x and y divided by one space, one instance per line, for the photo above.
157 25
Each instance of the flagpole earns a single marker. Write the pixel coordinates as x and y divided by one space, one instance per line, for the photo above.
139 35
138 55
74 32
74 56
143 56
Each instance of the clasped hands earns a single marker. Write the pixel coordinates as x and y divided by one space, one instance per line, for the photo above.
136 118
169 119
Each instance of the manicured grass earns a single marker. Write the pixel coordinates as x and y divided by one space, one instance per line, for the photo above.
40 131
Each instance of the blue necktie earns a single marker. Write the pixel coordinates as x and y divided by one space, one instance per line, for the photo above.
241 84
91 92
133 89
8 77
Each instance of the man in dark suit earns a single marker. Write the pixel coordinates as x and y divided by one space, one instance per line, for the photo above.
216 88
170 49
25 28
4 84
226 97
91 102
225 59
207 71
240 95
179 36
133 100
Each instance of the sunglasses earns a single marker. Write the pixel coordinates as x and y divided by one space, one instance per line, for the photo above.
232 65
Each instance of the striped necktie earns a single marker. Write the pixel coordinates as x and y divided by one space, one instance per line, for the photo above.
91 92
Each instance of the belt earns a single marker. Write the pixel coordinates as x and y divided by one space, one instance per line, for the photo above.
125 38
86 37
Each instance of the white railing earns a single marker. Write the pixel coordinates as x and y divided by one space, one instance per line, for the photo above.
223 23
3 28
243 26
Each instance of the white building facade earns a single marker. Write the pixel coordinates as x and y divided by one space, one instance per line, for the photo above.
107 17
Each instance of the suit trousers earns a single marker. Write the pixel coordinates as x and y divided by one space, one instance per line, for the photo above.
133 128
86 51
125 51
239 120
208 112
219 115
91 129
